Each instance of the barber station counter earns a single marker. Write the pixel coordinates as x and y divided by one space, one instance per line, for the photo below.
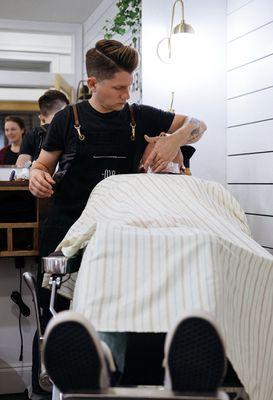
19 227
19 219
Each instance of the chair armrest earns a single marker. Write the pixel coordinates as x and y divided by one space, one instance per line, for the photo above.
58 264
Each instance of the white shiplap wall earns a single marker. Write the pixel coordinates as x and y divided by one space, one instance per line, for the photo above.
250 112
93 31
198 80
92 27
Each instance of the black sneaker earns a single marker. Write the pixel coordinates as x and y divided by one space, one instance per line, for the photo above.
194 355
73 354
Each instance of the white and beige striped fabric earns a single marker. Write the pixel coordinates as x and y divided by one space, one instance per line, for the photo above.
158 245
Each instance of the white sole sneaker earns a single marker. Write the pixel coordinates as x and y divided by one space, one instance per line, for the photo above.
73 354
195 358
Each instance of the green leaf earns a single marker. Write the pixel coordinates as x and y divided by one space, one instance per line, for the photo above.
108 36
127 16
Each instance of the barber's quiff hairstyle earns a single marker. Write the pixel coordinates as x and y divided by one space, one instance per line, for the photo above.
109 57
51 102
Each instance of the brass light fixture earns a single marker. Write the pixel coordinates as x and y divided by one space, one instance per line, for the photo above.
171 109
181 28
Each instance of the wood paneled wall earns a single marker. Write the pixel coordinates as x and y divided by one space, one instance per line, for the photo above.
250 112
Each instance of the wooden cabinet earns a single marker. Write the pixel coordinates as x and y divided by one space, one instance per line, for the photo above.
19 220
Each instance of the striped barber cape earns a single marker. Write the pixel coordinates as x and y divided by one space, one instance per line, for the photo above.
158 245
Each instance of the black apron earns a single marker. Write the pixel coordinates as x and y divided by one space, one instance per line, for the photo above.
97 157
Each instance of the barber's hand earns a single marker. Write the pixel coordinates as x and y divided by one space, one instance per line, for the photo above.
165 150
40 183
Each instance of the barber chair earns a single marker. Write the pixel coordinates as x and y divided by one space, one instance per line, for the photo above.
57 265
143 393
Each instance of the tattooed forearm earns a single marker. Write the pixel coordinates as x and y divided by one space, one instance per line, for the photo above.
195 132
194 121
198 128
191 130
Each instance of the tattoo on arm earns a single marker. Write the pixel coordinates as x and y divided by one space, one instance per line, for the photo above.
196 131
194 121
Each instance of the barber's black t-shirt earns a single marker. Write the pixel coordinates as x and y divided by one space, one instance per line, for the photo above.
61 133
10 157
33 140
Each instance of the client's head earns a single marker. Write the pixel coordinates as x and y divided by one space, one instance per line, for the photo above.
176 166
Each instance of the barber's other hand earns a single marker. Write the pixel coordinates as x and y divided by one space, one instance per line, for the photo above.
40 183
165 150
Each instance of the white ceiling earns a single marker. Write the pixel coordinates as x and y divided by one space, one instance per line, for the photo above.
69 11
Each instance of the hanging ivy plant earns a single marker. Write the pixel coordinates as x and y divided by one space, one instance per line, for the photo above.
128 17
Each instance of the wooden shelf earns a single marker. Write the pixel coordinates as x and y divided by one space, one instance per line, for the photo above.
19 253
7 225
13 185
19 238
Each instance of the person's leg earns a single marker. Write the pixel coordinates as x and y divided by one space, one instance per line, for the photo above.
195 358
138 357
117 343
144 358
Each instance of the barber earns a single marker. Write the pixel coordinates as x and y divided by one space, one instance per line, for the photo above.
106 136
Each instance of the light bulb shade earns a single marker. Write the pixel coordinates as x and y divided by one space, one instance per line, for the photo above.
173 50
183 28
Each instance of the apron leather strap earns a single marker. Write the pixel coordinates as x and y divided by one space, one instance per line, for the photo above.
77 125
132 123
75 112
